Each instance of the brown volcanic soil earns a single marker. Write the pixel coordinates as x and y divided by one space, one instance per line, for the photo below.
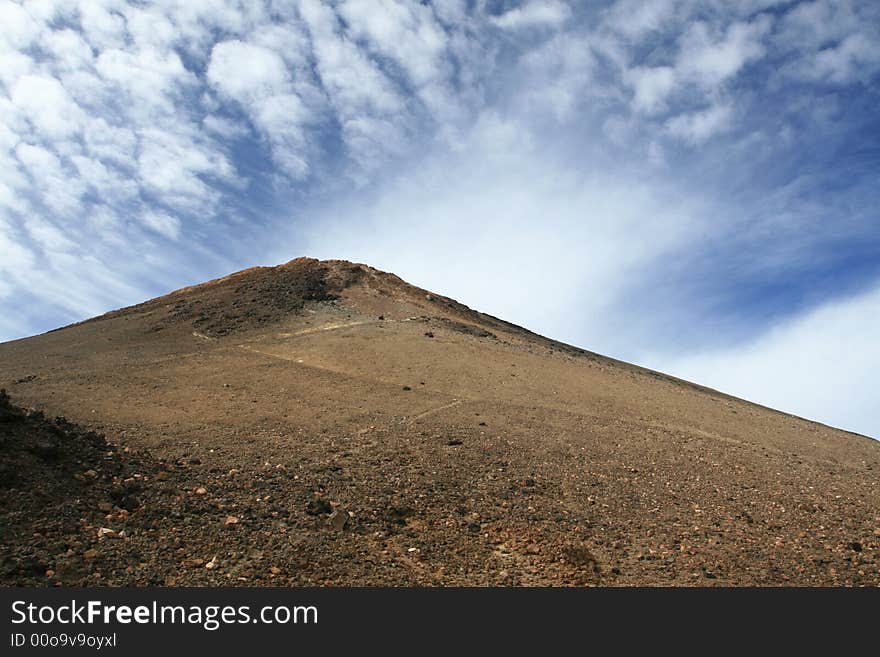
461 449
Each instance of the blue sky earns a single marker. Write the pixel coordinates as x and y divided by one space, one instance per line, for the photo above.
692 186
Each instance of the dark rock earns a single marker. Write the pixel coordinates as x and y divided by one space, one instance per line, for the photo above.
580 556
47 451
397 515
318 506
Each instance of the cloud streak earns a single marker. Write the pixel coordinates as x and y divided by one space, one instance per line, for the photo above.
821 364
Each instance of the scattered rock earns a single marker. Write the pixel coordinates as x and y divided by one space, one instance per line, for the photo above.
91 553
397 515
429 334
48 452
407 388
91 474
201 491
579 555
230 520
454 442
338 519
318 506
212 564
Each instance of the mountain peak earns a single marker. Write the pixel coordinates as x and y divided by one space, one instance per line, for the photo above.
285 393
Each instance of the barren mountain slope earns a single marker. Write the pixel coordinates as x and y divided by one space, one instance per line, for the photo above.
363 431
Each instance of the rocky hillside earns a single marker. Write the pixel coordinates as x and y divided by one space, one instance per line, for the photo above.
323 422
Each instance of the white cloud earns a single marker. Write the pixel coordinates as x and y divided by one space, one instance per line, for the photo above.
102 26
111 143
282 115
13 65
534 13
259 80
69 50
559 76
162 223
651 86
836 41
708 58
355 83
47 106
175 166
408 35
16 256
711 59
153 80
150 28
247 73
857 57
19 28
56 188
405 32
697 127
368 105
812 26
821 365
106 181
225 128
634 18
48 235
